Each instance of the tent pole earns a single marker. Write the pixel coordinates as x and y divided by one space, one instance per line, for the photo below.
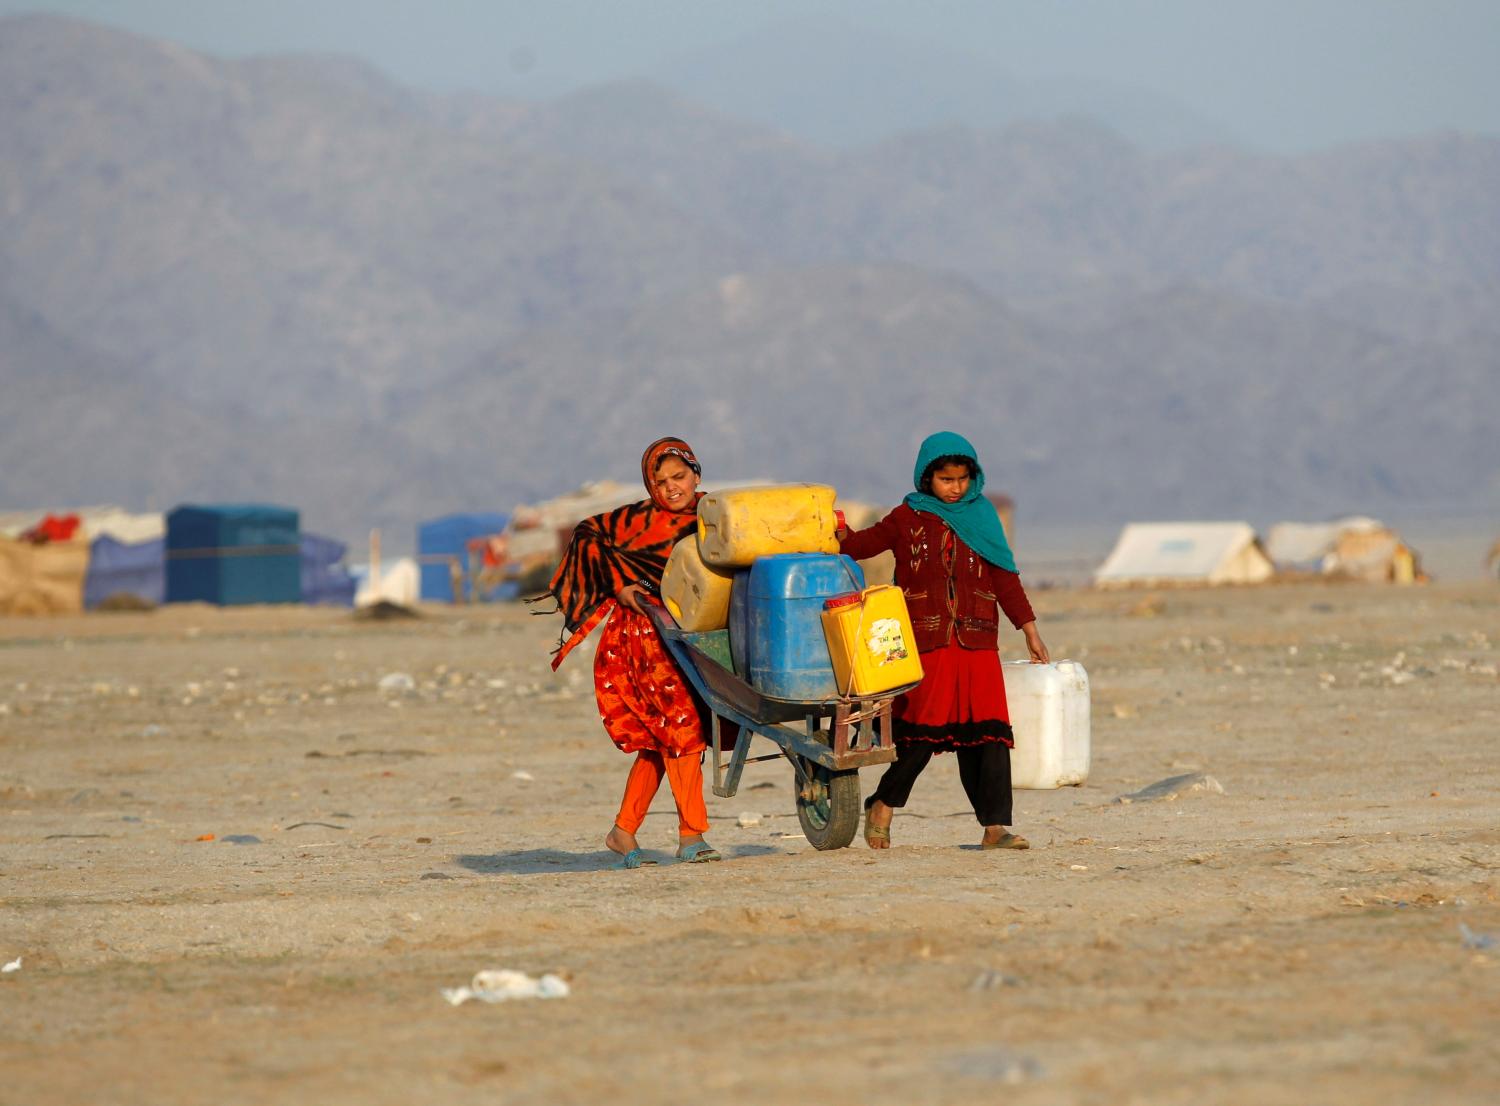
375 590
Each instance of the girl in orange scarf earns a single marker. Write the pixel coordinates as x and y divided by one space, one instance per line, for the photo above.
614 562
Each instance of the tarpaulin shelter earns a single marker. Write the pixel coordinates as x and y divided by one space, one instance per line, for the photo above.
44 578
126 568
100 521
539 532
325 580
233 554
443 552
1355 548
1185 553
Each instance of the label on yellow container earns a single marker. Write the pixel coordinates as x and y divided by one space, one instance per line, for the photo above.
886 643
871 643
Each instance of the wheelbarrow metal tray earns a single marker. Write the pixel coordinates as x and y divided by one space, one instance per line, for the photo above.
705 655
711 658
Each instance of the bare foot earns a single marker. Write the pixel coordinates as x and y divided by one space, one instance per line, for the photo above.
878 817
618 841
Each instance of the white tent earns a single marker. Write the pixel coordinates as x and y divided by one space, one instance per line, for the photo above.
399 582
1185 553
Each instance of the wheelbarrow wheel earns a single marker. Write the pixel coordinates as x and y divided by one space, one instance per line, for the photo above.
827 804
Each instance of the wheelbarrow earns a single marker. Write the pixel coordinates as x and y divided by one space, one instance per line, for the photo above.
827 740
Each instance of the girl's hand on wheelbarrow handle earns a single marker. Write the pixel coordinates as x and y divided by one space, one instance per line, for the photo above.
636 595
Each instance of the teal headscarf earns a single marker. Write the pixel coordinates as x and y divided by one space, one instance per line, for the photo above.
973 517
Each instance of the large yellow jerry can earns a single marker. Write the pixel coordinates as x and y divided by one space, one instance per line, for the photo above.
870 641
697 594
737 525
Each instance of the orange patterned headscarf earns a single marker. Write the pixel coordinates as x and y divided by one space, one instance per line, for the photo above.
665 447
628 545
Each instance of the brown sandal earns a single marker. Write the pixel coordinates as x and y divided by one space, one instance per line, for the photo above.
875 833
1008 841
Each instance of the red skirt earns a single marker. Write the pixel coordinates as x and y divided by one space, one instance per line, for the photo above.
960 701
644 701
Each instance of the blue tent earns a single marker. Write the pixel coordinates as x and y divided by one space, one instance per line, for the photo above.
134 568
325 580
233 554
442 539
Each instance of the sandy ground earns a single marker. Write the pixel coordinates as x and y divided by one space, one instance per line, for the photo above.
1296 939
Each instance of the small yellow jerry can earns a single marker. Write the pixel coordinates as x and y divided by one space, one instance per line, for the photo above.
870 641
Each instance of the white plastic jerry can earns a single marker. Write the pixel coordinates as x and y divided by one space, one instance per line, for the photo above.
1049 718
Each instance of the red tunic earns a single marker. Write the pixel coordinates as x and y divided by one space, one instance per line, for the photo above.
951 591
953 595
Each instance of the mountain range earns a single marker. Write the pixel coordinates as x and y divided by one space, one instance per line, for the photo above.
292 279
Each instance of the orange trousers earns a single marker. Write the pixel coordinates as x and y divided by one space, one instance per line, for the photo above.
684 774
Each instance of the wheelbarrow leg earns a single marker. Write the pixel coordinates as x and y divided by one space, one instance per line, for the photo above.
715 732
727 783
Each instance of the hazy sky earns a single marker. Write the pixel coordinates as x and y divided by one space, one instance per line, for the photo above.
1284 74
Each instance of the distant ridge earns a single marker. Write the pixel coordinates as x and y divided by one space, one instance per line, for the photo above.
292 279
833 83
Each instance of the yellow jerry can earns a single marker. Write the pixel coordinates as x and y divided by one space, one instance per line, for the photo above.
697 594
737 525
870 641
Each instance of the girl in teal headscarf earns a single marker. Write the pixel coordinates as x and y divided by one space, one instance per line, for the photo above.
958 573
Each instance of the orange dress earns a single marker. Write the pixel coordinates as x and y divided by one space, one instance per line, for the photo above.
644 701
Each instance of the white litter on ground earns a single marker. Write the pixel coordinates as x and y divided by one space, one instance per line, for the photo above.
502 985
1471 939
521 774
749 818
13 966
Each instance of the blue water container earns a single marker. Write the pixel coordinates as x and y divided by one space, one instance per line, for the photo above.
739 625
785 650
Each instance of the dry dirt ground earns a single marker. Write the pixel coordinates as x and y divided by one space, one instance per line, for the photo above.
1297 939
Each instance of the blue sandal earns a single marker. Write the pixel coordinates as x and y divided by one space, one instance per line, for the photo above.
634 859
699 852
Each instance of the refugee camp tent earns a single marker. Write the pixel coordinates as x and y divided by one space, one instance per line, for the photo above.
1355 548
1378 556
42 579
1185 553
1305 546
104 521
119 568
539 532
443 552
123 526
233 554
325 580
397 582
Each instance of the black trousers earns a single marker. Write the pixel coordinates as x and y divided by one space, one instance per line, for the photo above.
983 769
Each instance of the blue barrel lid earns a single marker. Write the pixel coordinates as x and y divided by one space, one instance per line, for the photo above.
804 576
